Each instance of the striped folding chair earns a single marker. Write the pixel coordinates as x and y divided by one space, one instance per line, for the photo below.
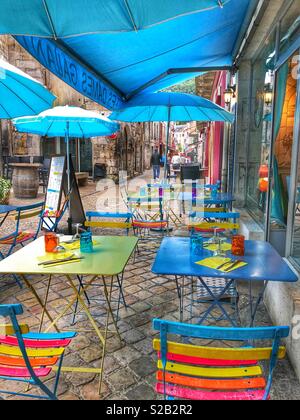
203 290
197 372
109 220
20 236
208 221
106 220
29 358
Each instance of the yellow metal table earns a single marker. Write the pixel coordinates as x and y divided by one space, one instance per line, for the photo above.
108 261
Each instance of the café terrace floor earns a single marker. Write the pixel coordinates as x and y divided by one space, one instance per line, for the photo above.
129 371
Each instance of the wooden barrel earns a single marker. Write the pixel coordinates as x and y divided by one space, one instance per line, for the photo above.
25 182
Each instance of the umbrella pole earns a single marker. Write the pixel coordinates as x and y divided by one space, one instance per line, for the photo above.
167 143
68 157
69 177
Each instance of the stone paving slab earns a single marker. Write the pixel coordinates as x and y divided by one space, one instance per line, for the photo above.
129 369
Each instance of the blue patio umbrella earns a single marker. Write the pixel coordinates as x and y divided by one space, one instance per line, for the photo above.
171 107
67 121
20 94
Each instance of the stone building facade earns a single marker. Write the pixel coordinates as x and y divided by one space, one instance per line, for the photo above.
130 150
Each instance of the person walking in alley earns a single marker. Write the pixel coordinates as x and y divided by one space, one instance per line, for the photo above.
155 162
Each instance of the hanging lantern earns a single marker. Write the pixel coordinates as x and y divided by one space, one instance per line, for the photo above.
263 171
263 174
228 95
263 185
268 94
113 136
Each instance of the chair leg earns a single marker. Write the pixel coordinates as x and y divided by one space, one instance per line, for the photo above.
121 294
18 281
58 375
80 287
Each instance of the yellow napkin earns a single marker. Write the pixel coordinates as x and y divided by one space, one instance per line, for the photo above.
74 245
215 262
55 256
214 247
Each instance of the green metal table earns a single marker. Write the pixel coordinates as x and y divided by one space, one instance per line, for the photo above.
108 261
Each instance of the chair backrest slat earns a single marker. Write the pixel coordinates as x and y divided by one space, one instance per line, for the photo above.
6 310
226 368
246 353
9 329
28 215
215 333
109 225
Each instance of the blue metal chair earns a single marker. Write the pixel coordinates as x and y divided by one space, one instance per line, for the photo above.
109 220
19 236
200 372
206 222
27 357
215 292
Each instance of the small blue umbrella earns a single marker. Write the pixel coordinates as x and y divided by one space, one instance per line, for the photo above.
170 107
20 94
67 121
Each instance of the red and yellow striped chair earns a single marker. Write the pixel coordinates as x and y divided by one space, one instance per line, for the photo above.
28 357
208 222
189 371
20 236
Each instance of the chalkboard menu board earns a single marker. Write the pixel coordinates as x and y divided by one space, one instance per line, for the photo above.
57 187
55 184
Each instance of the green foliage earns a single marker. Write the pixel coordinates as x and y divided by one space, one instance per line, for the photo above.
5 187
186 87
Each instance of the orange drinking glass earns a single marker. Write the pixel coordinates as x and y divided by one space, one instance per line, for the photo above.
51 242
238 245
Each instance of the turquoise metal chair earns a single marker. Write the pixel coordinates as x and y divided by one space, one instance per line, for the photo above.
29 358
229 371
206 222
20 236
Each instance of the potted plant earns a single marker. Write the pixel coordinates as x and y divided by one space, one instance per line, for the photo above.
5 187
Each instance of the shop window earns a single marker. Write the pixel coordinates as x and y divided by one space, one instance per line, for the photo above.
284 126
290 26
260 135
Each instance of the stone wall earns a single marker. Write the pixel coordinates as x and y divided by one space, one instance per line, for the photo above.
281 299
125 152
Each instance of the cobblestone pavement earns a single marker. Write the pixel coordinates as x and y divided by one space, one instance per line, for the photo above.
129 371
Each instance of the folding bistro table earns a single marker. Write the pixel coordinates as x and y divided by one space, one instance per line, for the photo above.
107 263
264 265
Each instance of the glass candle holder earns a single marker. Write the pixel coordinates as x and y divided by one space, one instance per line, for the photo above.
51 242
214 192
220 252
86 242
238 245
196 244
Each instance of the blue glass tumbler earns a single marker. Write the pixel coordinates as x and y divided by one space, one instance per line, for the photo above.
196 244
86 242
214 192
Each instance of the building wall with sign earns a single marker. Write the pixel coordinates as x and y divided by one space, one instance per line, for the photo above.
127 150
267 159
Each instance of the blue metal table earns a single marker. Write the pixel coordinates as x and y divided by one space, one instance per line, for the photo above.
264 265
